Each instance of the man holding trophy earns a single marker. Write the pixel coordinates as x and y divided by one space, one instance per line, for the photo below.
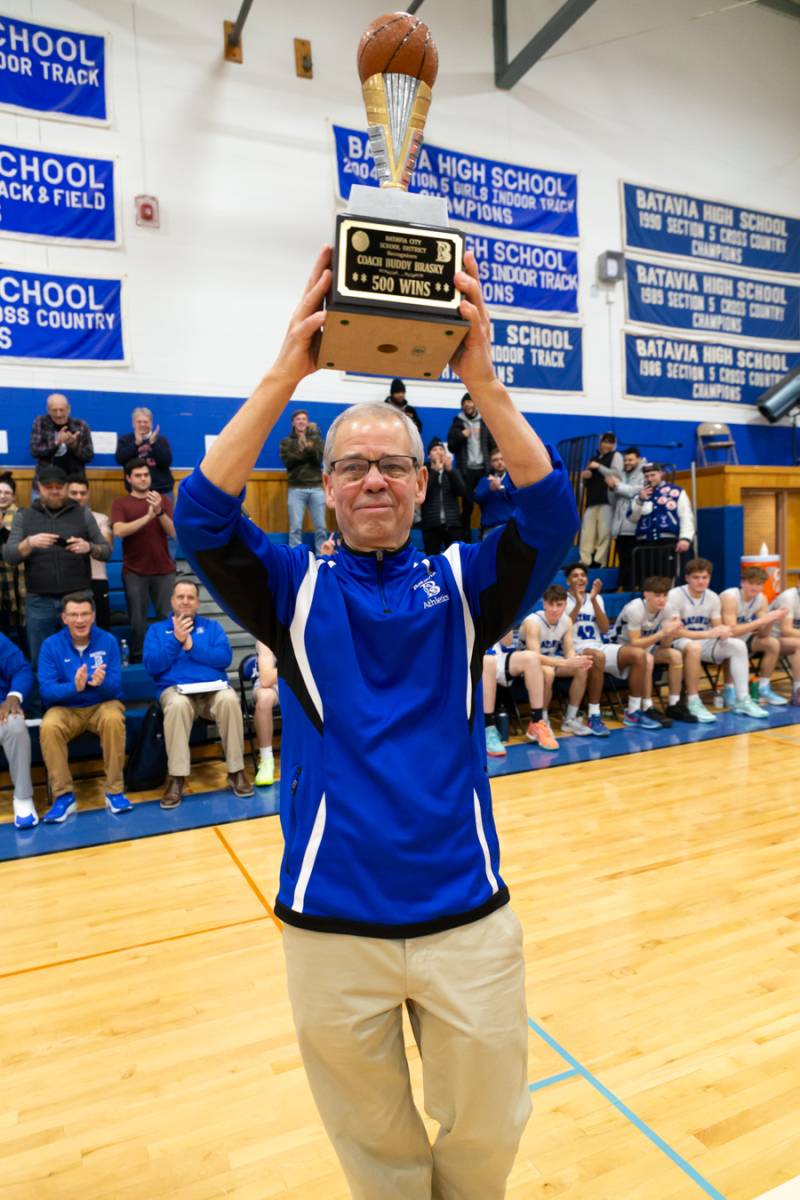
390 888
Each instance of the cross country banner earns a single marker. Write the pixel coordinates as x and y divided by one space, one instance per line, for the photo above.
48 318
681 296
481 191
51 197
669 368
660 222
535 356
56 73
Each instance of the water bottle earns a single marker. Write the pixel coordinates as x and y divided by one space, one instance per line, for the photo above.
502 723
718 698
754 692
124 653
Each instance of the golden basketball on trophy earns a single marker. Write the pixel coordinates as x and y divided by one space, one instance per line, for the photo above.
393 308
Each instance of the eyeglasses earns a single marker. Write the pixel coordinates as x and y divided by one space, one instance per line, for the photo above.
391 466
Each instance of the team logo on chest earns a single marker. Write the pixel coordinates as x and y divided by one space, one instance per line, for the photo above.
431 591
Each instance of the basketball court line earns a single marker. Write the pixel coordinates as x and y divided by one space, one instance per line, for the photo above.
622 1107
249 878
173 937
543 1083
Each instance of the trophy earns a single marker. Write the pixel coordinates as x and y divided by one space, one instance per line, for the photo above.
393 307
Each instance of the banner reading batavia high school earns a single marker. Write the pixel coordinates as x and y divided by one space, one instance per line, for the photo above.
516 274
537 357
666 368
478 190
54 72
60 317
683 297
671 223
57 197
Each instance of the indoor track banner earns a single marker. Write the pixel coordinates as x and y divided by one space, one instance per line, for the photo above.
57 197
534 356
683 297
666 368
52 72
687 226
516 274
60 318
478 190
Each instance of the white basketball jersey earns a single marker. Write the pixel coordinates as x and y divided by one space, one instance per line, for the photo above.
696 615
790 599
587 631
551 637
746 610
636 615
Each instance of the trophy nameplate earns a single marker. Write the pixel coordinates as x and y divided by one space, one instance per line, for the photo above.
393 307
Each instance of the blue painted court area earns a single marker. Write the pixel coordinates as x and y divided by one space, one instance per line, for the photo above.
571 749
576 1068
97 827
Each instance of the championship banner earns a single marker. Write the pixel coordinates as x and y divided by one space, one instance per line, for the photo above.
53 72
686 298
60 317
478 190
536 357
662 368
57 197
524 275
672 223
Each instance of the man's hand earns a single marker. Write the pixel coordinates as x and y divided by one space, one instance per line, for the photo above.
682 546
42 541
182 627
153 434
328 547
594 464
723 632
10 707
98 676
448 460
645 493
773 614
81 677
582 661
671 628
297 356
495 484
586 474
78 545
612 482
597 588
154 500
63 436
472 360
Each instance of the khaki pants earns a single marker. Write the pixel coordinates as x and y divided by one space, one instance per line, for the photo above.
181 712
61 725
596 534
465 993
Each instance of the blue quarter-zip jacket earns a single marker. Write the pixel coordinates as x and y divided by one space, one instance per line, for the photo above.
169 664
59 660
496 507
385 801
16 673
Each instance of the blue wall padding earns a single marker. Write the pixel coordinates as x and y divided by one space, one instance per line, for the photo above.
186 419
720 536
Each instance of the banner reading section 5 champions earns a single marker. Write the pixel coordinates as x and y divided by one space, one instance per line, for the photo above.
478 190
534 356
55 72
667 368
60 317
683 297
672 223
64 197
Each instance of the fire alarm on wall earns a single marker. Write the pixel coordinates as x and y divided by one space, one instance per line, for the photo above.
147 211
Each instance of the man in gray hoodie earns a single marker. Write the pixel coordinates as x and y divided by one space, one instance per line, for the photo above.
622 488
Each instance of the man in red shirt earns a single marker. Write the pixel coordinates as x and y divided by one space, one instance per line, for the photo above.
144 522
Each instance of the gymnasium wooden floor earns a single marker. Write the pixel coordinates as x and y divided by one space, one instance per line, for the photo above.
147 1050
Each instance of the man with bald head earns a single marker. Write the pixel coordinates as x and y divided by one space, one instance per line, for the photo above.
61 440
390 887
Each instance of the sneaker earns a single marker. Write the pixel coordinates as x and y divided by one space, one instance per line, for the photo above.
25 814
598 727
680 712
767 696
700 712
60 809
494 746
575 725
640 720
660 718
539 732
729 695
116 802
265 775
747 707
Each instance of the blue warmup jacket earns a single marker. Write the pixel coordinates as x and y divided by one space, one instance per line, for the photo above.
59 660
385 800
496 507
16 673
169 664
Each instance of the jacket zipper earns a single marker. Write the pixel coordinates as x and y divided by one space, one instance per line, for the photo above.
296 780
379 559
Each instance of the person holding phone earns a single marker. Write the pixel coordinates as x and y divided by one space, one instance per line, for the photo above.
55 538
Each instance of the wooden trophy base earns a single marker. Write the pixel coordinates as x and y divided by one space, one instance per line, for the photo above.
369 341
